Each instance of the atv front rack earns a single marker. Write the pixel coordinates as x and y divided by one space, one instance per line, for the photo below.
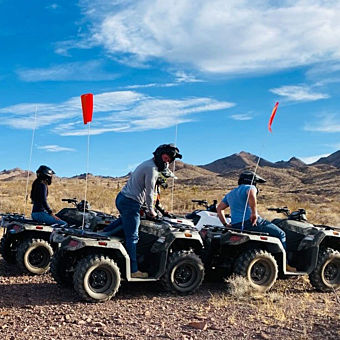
215 228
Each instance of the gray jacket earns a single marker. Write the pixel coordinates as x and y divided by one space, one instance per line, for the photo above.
141 184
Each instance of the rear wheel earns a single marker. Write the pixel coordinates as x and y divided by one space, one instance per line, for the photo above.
184 272
326 275
96 278
8 249
34 256
259 267
60 269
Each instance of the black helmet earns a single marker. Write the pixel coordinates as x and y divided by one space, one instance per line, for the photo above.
45 173
250 177
163 176
169 149
161 180
83 205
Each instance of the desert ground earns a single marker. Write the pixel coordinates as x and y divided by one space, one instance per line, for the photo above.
34 307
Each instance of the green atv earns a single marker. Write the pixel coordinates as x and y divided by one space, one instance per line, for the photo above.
27 243
95 264
312 249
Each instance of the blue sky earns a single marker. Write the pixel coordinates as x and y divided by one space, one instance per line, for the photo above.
213 70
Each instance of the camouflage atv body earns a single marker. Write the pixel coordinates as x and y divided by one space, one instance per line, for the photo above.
312 250
95 264
27 243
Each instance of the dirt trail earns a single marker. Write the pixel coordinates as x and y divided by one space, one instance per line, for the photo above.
34 307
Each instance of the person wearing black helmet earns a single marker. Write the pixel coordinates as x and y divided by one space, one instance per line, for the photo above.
41 211
140 188
243 207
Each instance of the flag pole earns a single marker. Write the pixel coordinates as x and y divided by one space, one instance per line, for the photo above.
87 107
87 171
173 179
258 162
30 158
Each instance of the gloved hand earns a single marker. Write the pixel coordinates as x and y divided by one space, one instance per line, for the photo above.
167 214
151 216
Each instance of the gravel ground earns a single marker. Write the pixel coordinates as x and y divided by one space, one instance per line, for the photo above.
34 307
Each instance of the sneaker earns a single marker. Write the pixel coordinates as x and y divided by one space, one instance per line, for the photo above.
139 275
290 269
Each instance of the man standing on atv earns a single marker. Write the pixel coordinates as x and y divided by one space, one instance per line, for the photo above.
243 208
41 211
140 188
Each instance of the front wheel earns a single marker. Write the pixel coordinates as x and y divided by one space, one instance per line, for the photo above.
8 249
96 278
34 256
60 269
326 275
259 267
184 272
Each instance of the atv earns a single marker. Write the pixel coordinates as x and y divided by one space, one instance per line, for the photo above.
207 216
95 264
312 249
26 242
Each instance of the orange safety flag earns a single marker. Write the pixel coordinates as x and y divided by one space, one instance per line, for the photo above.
272 117
87 106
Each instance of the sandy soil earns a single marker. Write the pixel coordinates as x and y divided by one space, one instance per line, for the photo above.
34 307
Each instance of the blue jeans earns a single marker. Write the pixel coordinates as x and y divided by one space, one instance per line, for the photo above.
264 226
130 217
44 217
114 227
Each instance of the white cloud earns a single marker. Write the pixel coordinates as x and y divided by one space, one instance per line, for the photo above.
241 116
77 71
312 159
298 93
325 124
234 36
181 78
55 148
120 111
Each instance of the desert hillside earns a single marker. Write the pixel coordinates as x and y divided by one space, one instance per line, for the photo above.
290 183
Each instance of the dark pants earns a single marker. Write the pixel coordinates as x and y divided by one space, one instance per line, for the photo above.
129 214
263 226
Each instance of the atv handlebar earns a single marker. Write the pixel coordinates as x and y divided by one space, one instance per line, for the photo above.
70 200
283 210
201 202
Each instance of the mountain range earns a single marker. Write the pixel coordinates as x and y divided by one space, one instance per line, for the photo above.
230 166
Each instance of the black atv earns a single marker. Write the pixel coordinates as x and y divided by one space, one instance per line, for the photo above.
312 249
27 242
95 264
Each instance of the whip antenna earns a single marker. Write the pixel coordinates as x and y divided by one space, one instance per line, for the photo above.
173 179
30 158
87 106
272 116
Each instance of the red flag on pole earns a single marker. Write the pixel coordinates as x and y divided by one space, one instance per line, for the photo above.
272 117
87 106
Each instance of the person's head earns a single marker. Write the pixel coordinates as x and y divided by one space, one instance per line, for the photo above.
250 177
164 154
44 173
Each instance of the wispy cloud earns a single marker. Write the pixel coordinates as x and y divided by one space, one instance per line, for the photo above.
120 111
312 159
241 116
55 148
299 93
77 71
324 124
234 36
180 78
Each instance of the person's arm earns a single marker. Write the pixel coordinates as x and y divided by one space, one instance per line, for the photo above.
150 183
220 212
253 205
44 198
